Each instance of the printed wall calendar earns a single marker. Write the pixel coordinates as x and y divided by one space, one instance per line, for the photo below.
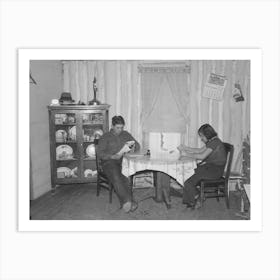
214 87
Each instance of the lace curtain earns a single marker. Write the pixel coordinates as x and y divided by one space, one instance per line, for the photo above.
165 101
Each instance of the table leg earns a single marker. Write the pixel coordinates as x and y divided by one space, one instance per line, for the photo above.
163 188
157 185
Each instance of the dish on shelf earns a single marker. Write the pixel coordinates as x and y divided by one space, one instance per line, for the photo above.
72 133
90 150
98 133
88 138
90 173
71 119
64 152
60 136
63 172
93 118
60 118
74 172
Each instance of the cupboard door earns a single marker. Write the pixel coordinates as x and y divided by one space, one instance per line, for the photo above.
92 129
66 148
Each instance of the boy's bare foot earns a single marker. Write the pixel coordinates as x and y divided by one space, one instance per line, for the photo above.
134 206
126 206
129 206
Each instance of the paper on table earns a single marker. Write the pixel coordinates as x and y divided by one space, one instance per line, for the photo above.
124 149
164 145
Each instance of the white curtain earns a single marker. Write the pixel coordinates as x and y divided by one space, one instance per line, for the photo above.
118 85
78 79
150 91
165 102
178 83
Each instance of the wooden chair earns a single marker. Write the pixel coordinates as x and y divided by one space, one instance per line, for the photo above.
218 188
102 180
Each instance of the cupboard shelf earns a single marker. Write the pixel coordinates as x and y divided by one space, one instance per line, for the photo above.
68 159
65 124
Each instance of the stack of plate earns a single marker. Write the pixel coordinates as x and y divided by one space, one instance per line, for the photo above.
63 172
60 136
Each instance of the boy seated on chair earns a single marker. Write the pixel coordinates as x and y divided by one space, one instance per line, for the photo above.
213 156
110 149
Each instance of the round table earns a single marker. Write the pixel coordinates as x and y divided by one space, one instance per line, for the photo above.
179 169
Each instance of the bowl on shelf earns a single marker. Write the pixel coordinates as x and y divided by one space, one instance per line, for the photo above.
98 133
90 150
90 173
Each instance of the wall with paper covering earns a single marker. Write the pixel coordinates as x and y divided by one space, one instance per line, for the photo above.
230 119
48 76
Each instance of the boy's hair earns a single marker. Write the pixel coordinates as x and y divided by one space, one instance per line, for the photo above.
118 120
208 131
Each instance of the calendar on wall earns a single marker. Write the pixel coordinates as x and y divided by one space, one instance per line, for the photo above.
215 86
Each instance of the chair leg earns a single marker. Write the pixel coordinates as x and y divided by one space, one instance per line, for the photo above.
218 193
131 183
110 193
201 193
97 187
155 178
227 195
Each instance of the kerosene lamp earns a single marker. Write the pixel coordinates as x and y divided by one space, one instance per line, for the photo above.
94 101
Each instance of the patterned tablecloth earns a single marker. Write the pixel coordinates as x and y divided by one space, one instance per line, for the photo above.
179 169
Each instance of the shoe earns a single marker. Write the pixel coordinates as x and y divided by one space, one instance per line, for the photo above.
197 205
190 206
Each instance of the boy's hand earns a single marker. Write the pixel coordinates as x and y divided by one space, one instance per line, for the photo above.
126 148
130 144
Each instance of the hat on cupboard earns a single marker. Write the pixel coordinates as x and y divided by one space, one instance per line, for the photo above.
66 98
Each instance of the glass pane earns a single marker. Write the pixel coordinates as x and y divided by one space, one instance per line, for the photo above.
66 134
89 169
67 169
93 118
90 133
67 152
89 150
66 119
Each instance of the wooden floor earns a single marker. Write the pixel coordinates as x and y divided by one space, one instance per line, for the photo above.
79 202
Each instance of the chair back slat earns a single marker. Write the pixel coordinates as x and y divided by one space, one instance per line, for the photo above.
98 160
229 150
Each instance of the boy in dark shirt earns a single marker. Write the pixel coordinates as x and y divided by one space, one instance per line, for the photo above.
213 156
110 149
